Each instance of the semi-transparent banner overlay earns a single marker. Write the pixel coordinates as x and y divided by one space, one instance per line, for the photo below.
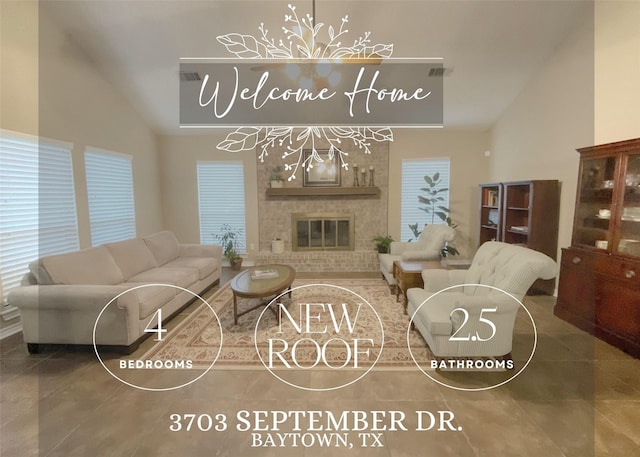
262 92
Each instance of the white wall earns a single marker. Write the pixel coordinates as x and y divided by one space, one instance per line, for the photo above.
52 89
178 157
617 71
587 93
469 167
537 135
19 66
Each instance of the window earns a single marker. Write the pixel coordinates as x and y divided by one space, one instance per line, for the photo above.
37 203
221 200
110 192
413 173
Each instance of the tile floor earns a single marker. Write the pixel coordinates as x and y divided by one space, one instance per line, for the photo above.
579 397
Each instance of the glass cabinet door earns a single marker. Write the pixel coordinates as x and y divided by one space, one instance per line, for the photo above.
593 215
629 239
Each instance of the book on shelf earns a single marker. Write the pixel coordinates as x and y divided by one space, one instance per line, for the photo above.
264 273
493 217
492 198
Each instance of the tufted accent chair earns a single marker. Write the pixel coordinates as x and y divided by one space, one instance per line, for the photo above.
507 267
432 239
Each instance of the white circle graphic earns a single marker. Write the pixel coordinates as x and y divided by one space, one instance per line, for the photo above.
468 389
156 389
320 389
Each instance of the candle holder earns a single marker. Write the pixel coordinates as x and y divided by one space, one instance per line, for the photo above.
371 170
355 176
364 177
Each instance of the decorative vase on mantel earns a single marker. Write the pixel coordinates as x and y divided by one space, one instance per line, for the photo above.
276 180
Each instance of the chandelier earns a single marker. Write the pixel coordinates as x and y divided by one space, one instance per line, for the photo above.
309 54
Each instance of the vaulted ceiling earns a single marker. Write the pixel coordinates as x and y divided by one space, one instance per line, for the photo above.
492 47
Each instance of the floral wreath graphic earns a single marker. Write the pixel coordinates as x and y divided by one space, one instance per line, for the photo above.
302 38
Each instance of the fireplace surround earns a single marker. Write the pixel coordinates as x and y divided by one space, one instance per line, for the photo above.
369 210
322 231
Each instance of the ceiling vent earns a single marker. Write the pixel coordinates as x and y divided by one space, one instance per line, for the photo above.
440 72
190 76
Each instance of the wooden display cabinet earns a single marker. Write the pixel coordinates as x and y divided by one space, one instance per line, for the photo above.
531 214
525 213
599 289
490 212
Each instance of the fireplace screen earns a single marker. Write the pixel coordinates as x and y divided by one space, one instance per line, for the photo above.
322 231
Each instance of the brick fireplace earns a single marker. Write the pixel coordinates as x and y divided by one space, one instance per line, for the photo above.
368 215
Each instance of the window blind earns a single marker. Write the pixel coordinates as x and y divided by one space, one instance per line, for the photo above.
413 173
110 193
221 200
37 203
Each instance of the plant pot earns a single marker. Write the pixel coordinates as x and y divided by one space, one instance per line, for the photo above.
236 264
382 250
277 184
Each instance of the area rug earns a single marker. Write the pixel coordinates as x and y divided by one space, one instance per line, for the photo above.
197 337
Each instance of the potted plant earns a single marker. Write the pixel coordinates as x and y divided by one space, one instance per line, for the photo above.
432 205
433 200
228 238
276 177
383 243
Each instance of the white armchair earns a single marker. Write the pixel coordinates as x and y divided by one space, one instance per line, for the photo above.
507 267
432 239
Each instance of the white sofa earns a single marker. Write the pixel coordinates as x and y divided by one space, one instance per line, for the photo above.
432 239
507 267
62 295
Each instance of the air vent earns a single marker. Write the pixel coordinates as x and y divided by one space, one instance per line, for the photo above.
190 76
440 72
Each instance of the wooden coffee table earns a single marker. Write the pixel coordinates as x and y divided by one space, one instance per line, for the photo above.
244 287
409 274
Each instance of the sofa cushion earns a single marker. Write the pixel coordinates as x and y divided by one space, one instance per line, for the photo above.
148 299
132 256
88 266
435 314
164 247
386 261
434 326
182 277
204 265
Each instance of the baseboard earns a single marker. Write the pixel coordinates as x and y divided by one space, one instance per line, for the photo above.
245 263
10 330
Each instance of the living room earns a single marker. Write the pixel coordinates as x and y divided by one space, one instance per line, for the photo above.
522 142
575 87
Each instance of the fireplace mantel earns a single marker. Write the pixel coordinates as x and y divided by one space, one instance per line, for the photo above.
320 191
368 204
